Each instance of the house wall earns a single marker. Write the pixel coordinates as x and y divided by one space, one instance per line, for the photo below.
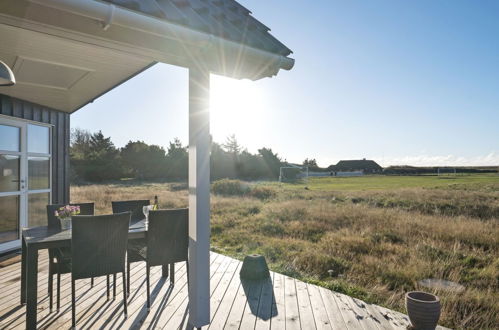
349 173
17 108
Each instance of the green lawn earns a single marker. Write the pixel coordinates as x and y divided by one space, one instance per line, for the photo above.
381 182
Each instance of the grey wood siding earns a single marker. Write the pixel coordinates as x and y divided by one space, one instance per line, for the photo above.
13 107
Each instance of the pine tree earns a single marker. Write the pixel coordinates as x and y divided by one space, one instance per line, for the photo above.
231 145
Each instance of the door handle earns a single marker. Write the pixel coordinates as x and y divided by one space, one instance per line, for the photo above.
22 181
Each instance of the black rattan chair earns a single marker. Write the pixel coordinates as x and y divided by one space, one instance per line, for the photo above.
135 207
167 242
98 248
60 258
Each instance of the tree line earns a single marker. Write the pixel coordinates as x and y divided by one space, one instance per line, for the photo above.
94 158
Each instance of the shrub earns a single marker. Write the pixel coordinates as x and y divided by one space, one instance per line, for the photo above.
273 253
396 279
178 186
262 193
316 262
248 210
290 174
386 237
227 187
311 231
271 227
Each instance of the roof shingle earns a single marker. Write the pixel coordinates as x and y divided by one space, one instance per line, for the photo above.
223 18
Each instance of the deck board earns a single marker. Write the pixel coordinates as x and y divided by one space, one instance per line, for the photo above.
278 320
281 302
253 290
307 319
349 316
332 309
363 315
319 309
219 313
291 304
235 314
378 317
264 314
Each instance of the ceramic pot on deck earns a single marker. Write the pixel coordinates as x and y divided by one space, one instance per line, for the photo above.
423 309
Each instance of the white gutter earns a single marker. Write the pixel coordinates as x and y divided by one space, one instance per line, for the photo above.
109 15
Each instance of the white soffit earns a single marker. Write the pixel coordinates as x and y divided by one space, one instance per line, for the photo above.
46 74
123 29
61 73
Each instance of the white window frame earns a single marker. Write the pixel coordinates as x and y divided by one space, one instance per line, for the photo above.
48 155
25 192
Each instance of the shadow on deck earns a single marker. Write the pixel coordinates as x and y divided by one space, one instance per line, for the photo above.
276 303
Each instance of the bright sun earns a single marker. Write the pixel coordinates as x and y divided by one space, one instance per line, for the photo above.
236 107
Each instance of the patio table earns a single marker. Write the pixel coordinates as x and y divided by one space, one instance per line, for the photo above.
38 238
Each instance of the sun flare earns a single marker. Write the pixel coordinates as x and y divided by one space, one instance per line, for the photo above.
236 107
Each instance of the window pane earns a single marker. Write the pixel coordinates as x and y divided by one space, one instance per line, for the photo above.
38 139
9 138
38 173
9 173
37 209
9 219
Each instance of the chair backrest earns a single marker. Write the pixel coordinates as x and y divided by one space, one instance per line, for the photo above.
98 244
167 236
134 206
53 222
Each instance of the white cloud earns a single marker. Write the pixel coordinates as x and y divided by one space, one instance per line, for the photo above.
491 159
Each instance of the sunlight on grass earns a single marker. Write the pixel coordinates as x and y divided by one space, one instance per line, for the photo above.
392 182
372 238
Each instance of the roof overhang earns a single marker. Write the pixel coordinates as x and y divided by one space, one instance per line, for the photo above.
120 28
59 73
135 40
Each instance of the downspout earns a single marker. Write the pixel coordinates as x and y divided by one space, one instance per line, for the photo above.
109 18
109 14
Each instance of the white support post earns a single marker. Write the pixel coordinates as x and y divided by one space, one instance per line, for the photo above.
199 197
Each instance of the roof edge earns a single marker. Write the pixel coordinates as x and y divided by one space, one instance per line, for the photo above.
108 14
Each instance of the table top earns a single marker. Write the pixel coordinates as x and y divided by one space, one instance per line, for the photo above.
45 237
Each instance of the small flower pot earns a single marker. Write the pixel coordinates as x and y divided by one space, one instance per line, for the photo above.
65 223
423 309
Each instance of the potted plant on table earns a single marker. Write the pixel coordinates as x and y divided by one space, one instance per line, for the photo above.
65 213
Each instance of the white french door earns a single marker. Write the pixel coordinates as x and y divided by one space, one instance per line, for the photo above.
25 178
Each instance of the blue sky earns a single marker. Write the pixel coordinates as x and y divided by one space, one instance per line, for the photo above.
401 82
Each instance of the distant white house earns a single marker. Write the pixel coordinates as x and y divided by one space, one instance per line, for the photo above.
319 174
348 173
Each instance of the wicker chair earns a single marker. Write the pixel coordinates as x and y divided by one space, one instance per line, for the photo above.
60 258
98 248
134 206
167 242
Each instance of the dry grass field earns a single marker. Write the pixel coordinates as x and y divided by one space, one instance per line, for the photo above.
373 238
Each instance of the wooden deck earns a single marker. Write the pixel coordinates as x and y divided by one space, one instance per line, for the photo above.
279 303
